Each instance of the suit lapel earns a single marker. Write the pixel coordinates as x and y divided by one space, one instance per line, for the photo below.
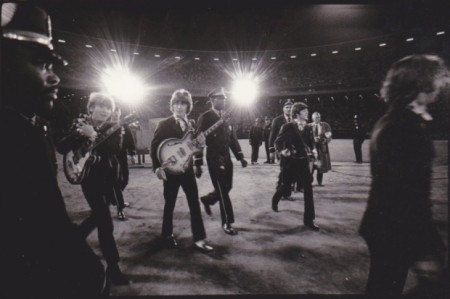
175 127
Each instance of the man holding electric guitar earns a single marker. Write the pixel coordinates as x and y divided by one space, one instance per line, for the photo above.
295 142
172 149
97 136
218 158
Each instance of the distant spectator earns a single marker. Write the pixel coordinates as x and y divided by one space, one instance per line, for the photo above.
359 135
322 136
255 139
266 134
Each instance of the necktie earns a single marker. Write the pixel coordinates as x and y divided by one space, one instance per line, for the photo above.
182 124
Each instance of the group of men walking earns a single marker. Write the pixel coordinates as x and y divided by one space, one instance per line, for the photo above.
46 255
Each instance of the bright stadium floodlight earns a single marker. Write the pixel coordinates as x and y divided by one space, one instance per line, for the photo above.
124 86
245 91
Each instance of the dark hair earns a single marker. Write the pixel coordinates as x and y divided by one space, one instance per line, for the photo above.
410 76
296 108
182 95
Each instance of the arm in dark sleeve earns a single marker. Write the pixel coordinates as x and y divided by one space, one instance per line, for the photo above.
273 135
128 141
156 141
70 142
235 146
280 141
309 138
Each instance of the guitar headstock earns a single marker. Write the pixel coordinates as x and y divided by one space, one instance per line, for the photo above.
130 118
227 115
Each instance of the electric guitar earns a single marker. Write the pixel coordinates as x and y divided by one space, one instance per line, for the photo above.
175 154
77 162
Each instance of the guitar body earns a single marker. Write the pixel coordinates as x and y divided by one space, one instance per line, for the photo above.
176 154
77 166
77 162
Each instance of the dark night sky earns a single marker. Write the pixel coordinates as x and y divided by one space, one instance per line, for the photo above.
245 24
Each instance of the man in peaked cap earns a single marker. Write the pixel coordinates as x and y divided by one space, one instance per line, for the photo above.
277 122
43 253
220 166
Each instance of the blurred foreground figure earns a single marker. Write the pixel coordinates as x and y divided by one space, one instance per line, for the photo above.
43 254
398 225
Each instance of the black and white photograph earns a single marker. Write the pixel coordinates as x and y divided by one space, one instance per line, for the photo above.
224 148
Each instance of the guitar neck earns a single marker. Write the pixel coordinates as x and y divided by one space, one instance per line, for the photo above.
106 134
213 127
126 120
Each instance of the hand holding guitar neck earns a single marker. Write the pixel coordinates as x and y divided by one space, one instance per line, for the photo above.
200 140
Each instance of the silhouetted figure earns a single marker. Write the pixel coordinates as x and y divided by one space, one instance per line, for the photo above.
255 140
359 135
266 134
397 224
43 255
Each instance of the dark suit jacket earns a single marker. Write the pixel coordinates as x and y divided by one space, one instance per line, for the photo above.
266 132
43 254
277 122
107 172
398 211
256 135
299 143
220 141
166 128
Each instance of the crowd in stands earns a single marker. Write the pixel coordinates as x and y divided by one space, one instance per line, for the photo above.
338 86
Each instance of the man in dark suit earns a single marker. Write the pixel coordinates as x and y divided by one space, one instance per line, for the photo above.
100 185
43 254
255 140
220 166
397 224
266 134
128 148
295 142
176 126
277 123
359 135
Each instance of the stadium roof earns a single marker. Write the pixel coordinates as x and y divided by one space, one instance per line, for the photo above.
242 25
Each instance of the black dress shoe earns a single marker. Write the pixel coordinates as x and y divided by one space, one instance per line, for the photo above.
203 246
275 208
116 276
121 216
229 230
170 242
312 226
206 205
